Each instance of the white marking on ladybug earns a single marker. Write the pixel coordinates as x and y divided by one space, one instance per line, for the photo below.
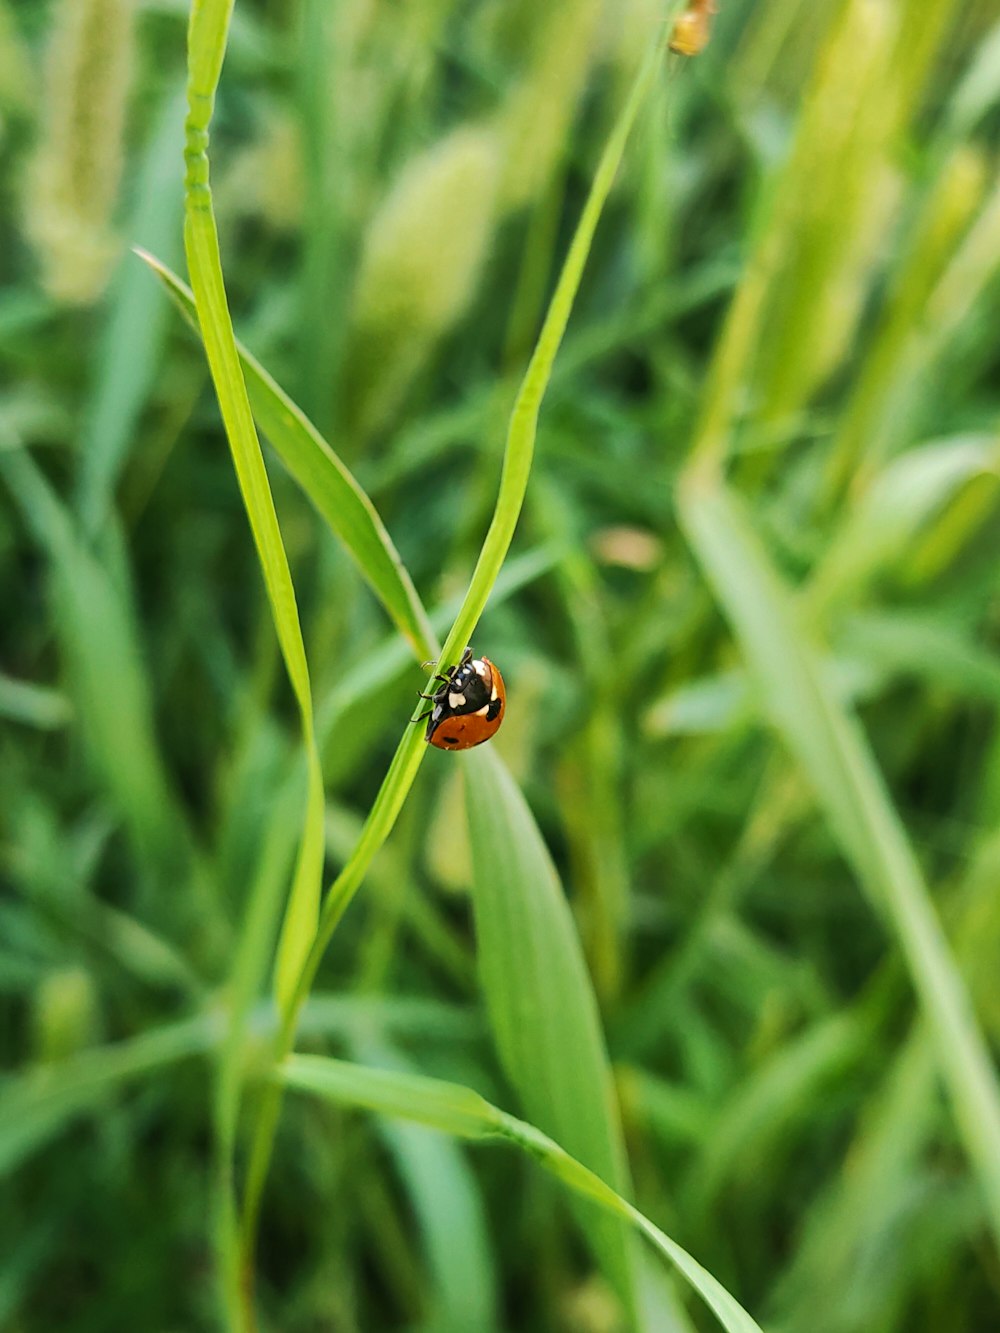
481 712
456 700
481 669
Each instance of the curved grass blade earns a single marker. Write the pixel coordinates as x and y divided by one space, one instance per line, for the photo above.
33 705
517 459
105 669
326 481
895 507
458 1110
206 48
38 1104
835 755
133 338
521 433
541 1003
448 1206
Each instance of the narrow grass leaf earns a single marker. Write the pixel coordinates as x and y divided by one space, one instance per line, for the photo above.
540 1000
327 483
33 705
447 1203
892 510
251 956
104 666
457 1110
206 48
925 648
40 1103
836 757
520 446
518 455
129 350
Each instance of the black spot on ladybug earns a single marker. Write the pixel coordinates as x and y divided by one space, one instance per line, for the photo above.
452 740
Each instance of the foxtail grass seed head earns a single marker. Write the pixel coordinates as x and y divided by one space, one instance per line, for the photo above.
420 266
72 184
535 120
267 179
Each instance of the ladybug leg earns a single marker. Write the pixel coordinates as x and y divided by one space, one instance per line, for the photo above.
421 695
423 716
426 666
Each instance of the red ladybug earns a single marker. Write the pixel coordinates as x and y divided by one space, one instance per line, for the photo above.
467 708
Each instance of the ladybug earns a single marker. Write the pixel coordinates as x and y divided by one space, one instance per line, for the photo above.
467 707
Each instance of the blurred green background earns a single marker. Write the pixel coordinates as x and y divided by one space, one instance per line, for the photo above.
396 184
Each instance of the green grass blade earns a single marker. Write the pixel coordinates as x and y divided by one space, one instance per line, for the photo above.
523 427
104 668
457 1110
33 705
206 48
251 956
326 481
891 511
923 648
448 1206
130 349
514 478
538 993
40 1103
838 761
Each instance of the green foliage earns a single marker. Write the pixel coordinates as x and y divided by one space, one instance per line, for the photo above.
672 386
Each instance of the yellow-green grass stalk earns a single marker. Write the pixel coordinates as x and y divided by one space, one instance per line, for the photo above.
463 1113
834 753
877 402
207 36
818 234
206 47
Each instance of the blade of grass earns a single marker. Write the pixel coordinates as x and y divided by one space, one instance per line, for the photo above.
128 355
539 996
250 961
33 705
327 482
207 36
448 1206
459 1111
39 1104
893 508
838 761
523 427
104 666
